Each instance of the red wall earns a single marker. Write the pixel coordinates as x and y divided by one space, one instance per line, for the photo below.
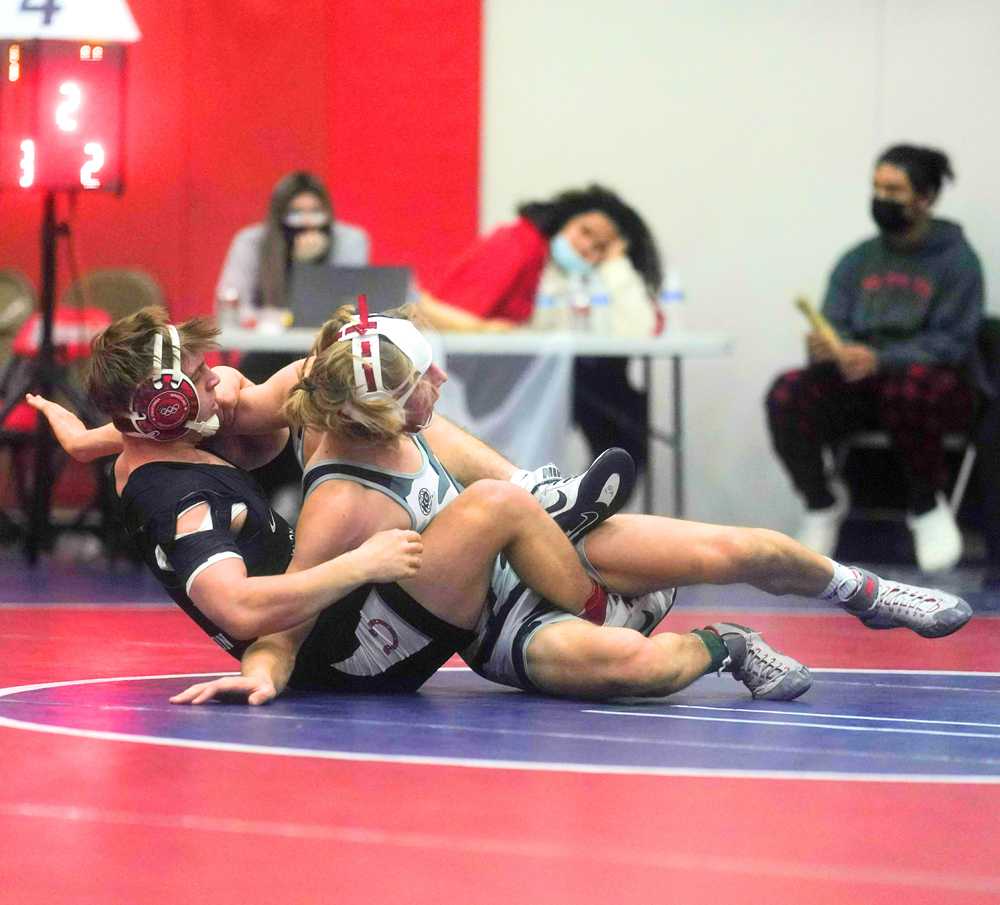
380 98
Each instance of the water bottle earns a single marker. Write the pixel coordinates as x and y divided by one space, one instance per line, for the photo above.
672 303
579 305
600 311
229 308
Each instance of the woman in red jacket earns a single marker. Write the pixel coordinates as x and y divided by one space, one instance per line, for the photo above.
583 242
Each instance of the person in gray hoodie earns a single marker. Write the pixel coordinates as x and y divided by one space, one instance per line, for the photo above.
906 307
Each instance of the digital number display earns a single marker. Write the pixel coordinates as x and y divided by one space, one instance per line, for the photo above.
61 115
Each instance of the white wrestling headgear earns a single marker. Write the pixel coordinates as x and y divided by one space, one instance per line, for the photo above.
165 406
363 332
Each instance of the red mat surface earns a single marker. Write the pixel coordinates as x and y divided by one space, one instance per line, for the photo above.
91 821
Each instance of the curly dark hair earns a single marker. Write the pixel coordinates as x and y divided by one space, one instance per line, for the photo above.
551 216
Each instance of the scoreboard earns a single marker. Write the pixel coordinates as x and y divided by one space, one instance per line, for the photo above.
62 94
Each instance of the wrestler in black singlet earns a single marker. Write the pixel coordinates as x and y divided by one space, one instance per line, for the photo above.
381 625
157 492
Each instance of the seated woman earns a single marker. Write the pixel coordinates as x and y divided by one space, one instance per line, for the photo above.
584 245
300 227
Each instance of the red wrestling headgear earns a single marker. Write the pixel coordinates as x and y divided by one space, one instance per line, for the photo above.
165 406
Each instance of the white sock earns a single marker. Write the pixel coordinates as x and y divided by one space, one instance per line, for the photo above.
846 582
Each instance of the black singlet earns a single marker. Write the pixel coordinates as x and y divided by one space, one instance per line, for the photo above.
157 492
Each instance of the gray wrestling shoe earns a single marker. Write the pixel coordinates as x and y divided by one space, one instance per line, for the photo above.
880 603
643 613
767 673
581 502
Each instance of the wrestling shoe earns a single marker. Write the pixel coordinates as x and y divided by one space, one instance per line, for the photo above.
581 502
530 480
880 603
643 613
752 661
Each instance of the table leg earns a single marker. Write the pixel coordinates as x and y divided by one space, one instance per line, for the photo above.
647 482
678 389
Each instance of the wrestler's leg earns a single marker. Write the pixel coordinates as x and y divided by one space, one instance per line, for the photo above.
576 658
639 553
462 542
636 553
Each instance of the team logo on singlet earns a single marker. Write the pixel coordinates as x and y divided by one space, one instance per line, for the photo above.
424 499
379 628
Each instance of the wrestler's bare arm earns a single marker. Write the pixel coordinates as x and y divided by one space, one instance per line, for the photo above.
252 434
336 518
247 607
258 409
467 457
82 443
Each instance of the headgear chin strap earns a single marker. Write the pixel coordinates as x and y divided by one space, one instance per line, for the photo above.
363 334
165 406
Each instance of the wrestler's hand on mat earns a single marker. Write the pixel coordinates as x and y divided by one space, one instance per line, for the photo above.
391 555
253 690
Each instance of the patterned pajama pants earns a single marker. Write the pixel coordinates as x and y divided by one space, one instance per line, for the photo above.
815 407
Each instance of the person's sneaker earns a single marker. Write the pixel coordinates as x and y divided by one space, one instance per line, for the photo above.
936 538
820 528
890 604
581 502
765 672
643 613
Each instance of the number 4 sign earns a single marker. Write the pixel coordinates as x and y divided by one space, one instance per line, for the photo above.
107 21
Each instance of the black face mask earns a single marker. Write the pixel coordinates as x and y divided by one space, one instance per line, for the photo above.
889 216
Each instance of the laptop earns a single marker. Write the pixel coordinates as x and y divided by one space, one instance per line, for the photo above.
317 290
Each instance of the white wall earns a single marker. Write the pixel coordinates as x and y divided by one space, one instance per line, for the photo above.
745 134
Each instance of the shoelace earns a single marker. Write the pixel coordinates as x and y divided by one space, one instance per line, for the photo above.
761 663
903 597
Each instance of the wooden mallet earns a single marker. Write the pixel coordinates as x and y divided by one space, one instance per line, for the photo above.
819 323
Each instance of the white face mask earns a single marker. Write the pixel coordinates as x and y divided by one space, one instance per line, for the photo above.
306 219
567 257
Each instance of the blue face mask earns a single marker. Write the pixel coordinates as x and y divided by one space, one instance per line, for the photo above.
567 257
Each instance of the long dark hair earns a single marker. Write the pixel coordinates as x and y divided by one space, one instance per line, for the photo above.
275 251
551 216
927 168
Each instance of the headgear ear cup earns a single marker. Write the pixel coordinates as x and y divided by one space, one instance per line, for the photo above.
165 406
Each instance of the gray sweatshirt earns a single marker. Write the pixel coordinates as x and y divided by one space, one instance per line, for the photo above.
922 305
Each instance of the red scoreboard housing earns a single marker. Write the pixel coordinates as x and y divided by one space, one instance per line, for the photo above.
62 112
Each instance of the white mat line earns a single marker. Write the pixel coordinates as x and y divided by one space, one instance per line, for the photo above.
799 725
838 716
